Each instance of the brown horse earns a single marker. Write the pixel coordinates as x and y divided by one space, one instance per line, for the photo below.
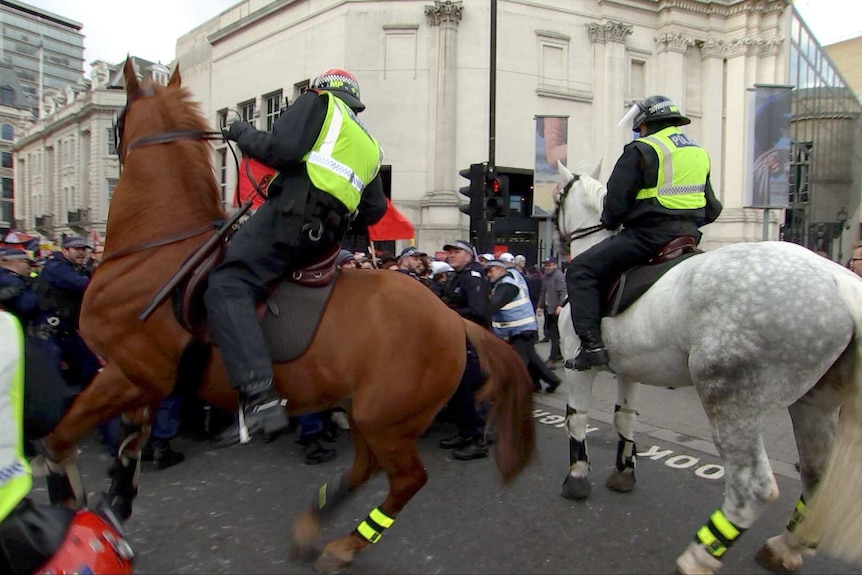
385 341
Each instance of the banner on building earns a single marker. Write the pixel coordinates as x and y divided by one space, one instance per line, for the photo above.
769 147
552 142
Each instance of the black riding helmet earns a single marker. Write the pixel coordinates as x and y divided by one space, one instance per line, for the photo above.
657 109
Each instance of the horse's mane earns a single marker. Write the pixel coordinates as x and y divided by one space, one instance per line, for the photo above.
594 192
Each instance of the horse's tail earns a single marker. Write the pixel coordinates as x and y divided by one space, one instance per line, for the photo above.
509 391
835 512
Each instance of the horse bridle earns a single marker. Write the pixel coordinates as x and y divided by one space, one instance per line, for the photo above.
165 138
566 239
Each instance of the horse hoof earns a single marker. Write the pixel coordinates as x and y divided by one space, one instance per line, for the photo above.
122 507
770 561
576 488
622 481
329 563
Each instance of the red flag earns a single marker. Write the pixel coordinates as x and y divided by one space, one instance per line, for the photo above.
393 226
245 189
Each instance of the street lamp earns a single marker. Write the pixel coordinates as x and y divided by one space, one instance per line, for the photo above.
842 216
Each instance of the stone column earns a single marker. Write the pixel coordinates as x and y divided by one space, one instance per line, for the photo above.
609 102
439 205
670 51
712 53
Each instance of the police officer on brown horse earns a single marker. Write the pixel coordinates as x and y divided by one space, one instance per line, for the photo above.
328 173
658 190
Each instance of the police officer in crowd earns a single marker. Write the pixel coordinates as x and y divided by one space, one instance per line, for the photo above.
467 293
16 294
513 318
410 262
60 287
659 190
328 174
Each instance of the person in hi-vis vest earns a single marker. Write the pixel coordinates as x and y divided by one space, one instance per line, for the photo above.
659 190
39 538
328 176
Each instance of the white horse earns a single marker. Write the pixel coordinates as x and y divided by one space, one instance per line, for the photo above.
752 326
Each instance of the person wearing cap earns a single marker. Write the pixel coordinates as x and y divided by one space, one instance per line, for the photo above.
467 293
16 294
513 318
659 190
521 265
60 287
410 262
328 175
345 260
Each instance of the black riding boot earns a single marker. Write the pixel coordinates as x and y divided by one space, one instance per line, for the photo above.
592 352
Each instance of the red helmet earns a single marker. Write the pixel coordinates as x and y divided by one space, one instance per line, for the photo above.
92 545
342 84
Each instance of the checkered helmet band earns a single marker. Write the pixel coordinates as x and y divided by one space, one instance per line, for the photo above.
336 79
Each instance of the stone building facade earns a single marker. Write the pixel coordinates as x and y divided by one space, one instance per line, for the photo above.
66 165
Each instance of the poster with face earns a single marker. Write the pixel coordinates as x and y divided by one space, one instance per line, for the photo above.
769 142
552 138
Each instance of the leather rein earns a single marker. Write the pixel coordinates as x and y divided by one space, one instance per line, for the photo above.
580 233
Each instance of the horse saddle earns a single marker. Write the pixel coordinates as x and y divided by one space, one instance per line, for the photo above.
289 315
635 282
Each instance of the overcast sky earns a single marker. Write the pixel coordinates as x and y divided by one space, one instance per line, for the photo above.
150 28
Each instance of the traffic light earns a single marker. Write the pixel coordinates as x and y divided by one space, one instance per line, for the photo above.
475 193
496 195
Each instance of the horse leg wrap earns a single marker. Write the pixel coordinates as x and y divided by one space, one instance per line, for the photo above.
626 454
65 486
330 495
578 451
800 512
132 434
374 525
718 534
124 485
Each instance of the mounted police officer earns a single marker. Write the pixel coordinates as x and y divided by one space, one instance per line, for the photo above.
16 293
60 287
659 190
513 318
467 293
328 172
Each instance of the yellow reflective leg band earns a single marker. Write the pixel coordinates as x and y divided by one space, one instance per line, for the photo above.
372 528
321 497
718 534
800 513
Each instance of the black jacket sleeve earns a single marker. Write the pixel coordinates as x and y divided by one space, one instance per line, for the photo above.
372 205
473 304
713 206
625 182
293 134
503 294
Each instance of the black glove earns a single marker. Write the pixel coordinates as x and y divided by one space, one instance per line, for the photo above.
235 130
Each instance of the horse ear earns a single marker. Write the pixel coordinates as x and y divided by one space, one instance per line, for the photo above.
597 171
565 175
132 86
176 81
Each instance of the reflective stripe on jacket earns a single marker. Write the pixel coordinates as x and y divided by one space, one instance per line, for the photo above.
683 167
345 158
15 475
518 315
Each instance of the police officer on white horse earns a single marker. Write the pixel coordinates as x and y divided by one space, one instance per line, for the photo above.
659 190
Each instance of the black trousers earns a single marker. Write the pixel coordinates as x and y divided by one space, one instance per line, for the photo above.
553 332
591 273
469 418
268 245
524 343
30 535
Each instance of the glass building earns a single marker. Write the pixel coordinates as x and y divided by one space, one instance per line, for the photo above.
826 158
30 37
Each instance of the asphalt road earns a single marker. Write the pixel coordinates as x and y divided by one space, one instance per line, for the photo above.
231 511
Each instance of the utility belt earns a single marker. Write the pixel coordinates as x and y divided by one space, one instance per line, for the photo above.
312 215
529 335
49 329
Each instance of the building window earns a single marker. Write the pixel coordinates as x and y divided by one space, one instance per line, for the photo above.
7 96
112 143
246 111
7 132
637 80
221 119
6 159
112 185
8 188
7 212
222 175
300 88
553 59
273 108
